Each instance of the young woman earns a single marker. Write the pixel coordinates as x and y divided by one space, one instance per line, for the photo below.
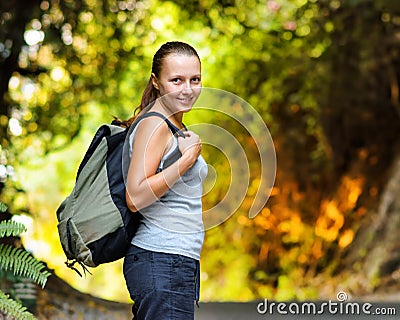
161 268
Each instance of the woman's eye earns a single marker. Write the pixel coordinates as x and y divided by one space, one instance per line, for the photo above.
176 80
196 80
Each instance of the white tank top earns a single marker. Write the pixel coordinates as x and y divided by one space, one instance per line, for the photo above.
174 223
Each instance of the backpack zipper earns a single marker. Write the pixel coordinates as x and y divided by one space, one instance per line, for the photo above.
69 238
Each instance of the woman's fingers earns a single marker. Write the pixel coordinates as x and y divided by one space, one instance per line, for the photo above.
191 143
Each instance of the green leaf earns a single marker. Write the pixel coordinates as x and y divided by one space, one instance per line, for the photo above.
22 263
11 228
3 207
13 308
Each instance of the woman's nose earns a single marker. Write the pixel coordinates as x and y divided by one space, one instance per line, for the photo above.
187 87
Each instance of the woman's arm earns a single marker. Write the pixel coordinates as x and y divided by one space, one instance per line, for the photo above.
143 185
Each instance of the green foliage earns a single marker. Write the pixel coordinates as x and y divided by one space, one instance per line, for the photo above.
318 72
13 308
3 207
11 228
21 263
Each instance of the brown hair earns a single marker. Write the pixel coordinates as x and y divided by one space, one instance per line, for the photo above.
150 93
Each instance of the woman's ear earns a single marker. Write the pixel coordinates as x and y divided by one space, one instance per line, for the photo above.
154 81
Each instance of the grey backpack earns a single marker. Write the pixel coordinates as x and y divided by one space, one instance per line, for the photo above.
95 224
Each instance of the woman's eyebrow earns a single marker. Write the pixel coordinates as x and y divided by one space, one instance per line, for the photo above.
182 75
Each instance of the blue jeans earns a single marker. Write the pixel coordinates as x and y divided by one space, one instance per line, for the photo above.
163 286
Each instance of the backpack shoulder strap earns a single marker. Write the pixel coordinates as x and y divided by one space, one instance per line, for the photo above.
175 131
102 132
172 127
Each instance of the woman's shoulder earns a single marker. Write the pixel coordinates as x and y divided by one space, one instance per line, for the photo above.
152 125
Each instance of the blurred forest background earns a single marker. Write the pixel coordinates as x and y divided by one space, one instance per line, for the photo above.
323 74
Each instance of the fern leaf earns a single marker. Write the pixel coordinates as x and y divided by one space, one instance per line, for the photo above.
13 308
3 207
21 263
11 228
5 260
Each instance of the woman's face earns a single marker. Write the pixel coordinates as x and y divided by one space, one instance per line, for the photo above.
179 82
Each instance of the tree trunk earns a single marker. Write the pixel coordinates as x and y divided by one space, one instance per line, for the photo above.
18 14
374 258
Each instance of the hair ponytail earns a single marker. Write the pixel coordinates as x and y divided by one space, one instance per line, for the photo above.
150 94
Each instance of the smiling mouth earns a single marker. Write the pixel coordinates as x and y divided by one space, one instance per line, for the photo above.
185 100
